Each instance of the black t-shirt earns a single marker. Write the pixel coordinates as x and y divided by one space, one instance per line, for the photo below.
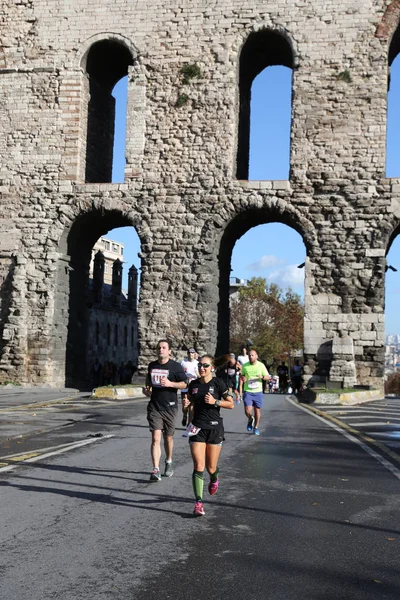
229 374
282 371
163 398
207 416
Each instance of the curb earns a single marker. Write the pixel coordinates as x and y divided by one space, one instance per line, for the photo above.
346 399
110 393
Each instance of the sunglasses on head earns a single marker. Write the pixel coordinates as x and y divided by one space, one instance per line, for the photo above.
204 365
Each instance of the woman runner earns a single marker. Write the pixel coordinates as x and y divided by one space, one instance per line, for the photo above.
206 395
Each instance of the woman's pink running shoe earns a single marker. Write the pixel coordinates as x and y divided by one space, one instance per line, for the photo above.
199 510
213 487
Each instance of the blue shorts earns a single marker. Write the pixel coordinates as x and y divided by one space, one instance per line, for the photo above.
253 399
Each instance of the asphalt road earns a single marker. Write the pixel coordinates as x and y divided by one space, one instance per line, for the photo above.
302 513
379 420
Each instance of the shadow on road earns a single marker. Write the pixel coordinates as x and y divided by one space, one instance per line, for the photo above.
147 499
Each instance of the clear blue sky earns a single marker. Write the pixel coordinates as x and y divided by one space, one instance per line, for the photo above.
274 250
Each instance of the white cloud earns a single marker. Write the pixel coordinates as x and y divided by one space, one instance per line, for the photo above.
265 262
289 276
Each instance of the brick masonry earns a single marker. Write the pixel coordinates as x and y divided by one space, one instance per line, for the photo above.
180 191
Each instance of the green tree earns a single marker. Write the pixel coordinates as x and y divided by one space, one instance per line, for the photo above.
270 317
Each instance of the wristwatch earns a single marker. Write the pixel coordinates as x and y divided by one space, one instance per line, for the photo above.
217 403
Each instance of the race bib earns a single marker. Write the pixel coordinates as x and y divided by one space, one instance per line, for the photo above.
191 430
156 375
253 384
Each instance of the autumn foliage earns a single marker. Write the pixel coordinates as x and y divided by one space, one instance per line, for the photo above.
270 317
392 385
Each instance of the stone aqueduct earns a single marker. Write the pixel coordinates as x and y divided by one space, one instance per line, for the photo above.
186 190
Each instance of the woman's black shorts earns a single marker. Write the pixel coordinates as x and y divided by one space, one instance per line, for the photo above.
209 436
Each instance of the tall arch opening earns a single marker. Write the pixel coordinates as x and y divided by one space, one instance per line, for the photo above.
107 62
393 108
262 256
392 319
120 94
262 49
94 305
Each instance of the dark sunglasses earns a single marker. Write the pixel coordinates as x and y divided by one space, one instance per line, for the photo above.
204 365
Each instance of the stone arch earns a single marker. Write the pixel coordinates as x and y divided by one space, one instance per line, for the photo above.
390 282
106 62
263 47
238 226
73 298
82 55
389 21
390 235
136 102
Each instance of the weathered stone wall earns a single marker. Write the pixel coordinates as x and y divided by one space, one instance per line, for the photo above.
180 190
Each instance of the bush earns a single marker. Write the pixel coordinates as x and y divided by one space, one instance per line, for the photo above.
392 384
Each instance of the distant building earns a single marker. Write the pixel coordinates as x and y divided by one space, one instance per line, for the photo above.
113 320
111 251
234 284
392 354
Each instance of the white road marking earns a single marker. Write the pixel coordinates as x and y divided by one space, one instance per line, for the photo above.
376 412
54 452
388 465
368 424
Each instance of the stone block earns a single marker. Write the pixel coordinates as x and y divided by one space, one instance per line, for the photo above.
375 252
281 185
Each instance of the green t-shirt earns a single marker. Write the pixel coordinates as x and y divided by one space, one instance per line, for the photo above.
254 374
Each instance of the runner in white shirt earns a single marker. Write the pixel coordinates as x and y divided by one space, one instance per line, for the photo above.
190 366
243 357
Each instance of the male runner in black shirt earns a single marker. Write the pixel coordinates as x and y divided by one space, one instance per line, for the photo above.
164 378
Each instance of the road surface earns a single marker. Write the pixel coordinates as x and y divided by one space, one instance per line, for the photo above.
302 512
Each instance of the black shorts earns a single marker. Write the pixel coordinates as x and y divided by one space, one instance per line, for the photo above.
214 436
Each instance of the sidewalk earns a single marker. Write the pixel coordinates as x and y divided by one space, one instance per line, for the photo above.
13 397
28 412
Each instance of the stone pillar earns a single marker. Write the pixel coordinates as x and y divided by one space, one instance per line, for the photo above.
98 277
132 287
343 366
117 282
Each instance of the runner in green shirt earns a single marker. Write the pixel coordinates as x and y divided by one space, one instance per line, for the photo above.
253 374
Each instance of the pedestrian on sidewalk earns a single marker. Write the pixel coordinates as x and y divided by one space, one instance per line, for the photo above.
297 376
96 373
253 374
283 373
164 378
206 396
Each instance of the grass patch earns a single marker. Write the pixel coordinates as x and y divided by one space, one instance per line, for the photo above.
348 390
190 71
